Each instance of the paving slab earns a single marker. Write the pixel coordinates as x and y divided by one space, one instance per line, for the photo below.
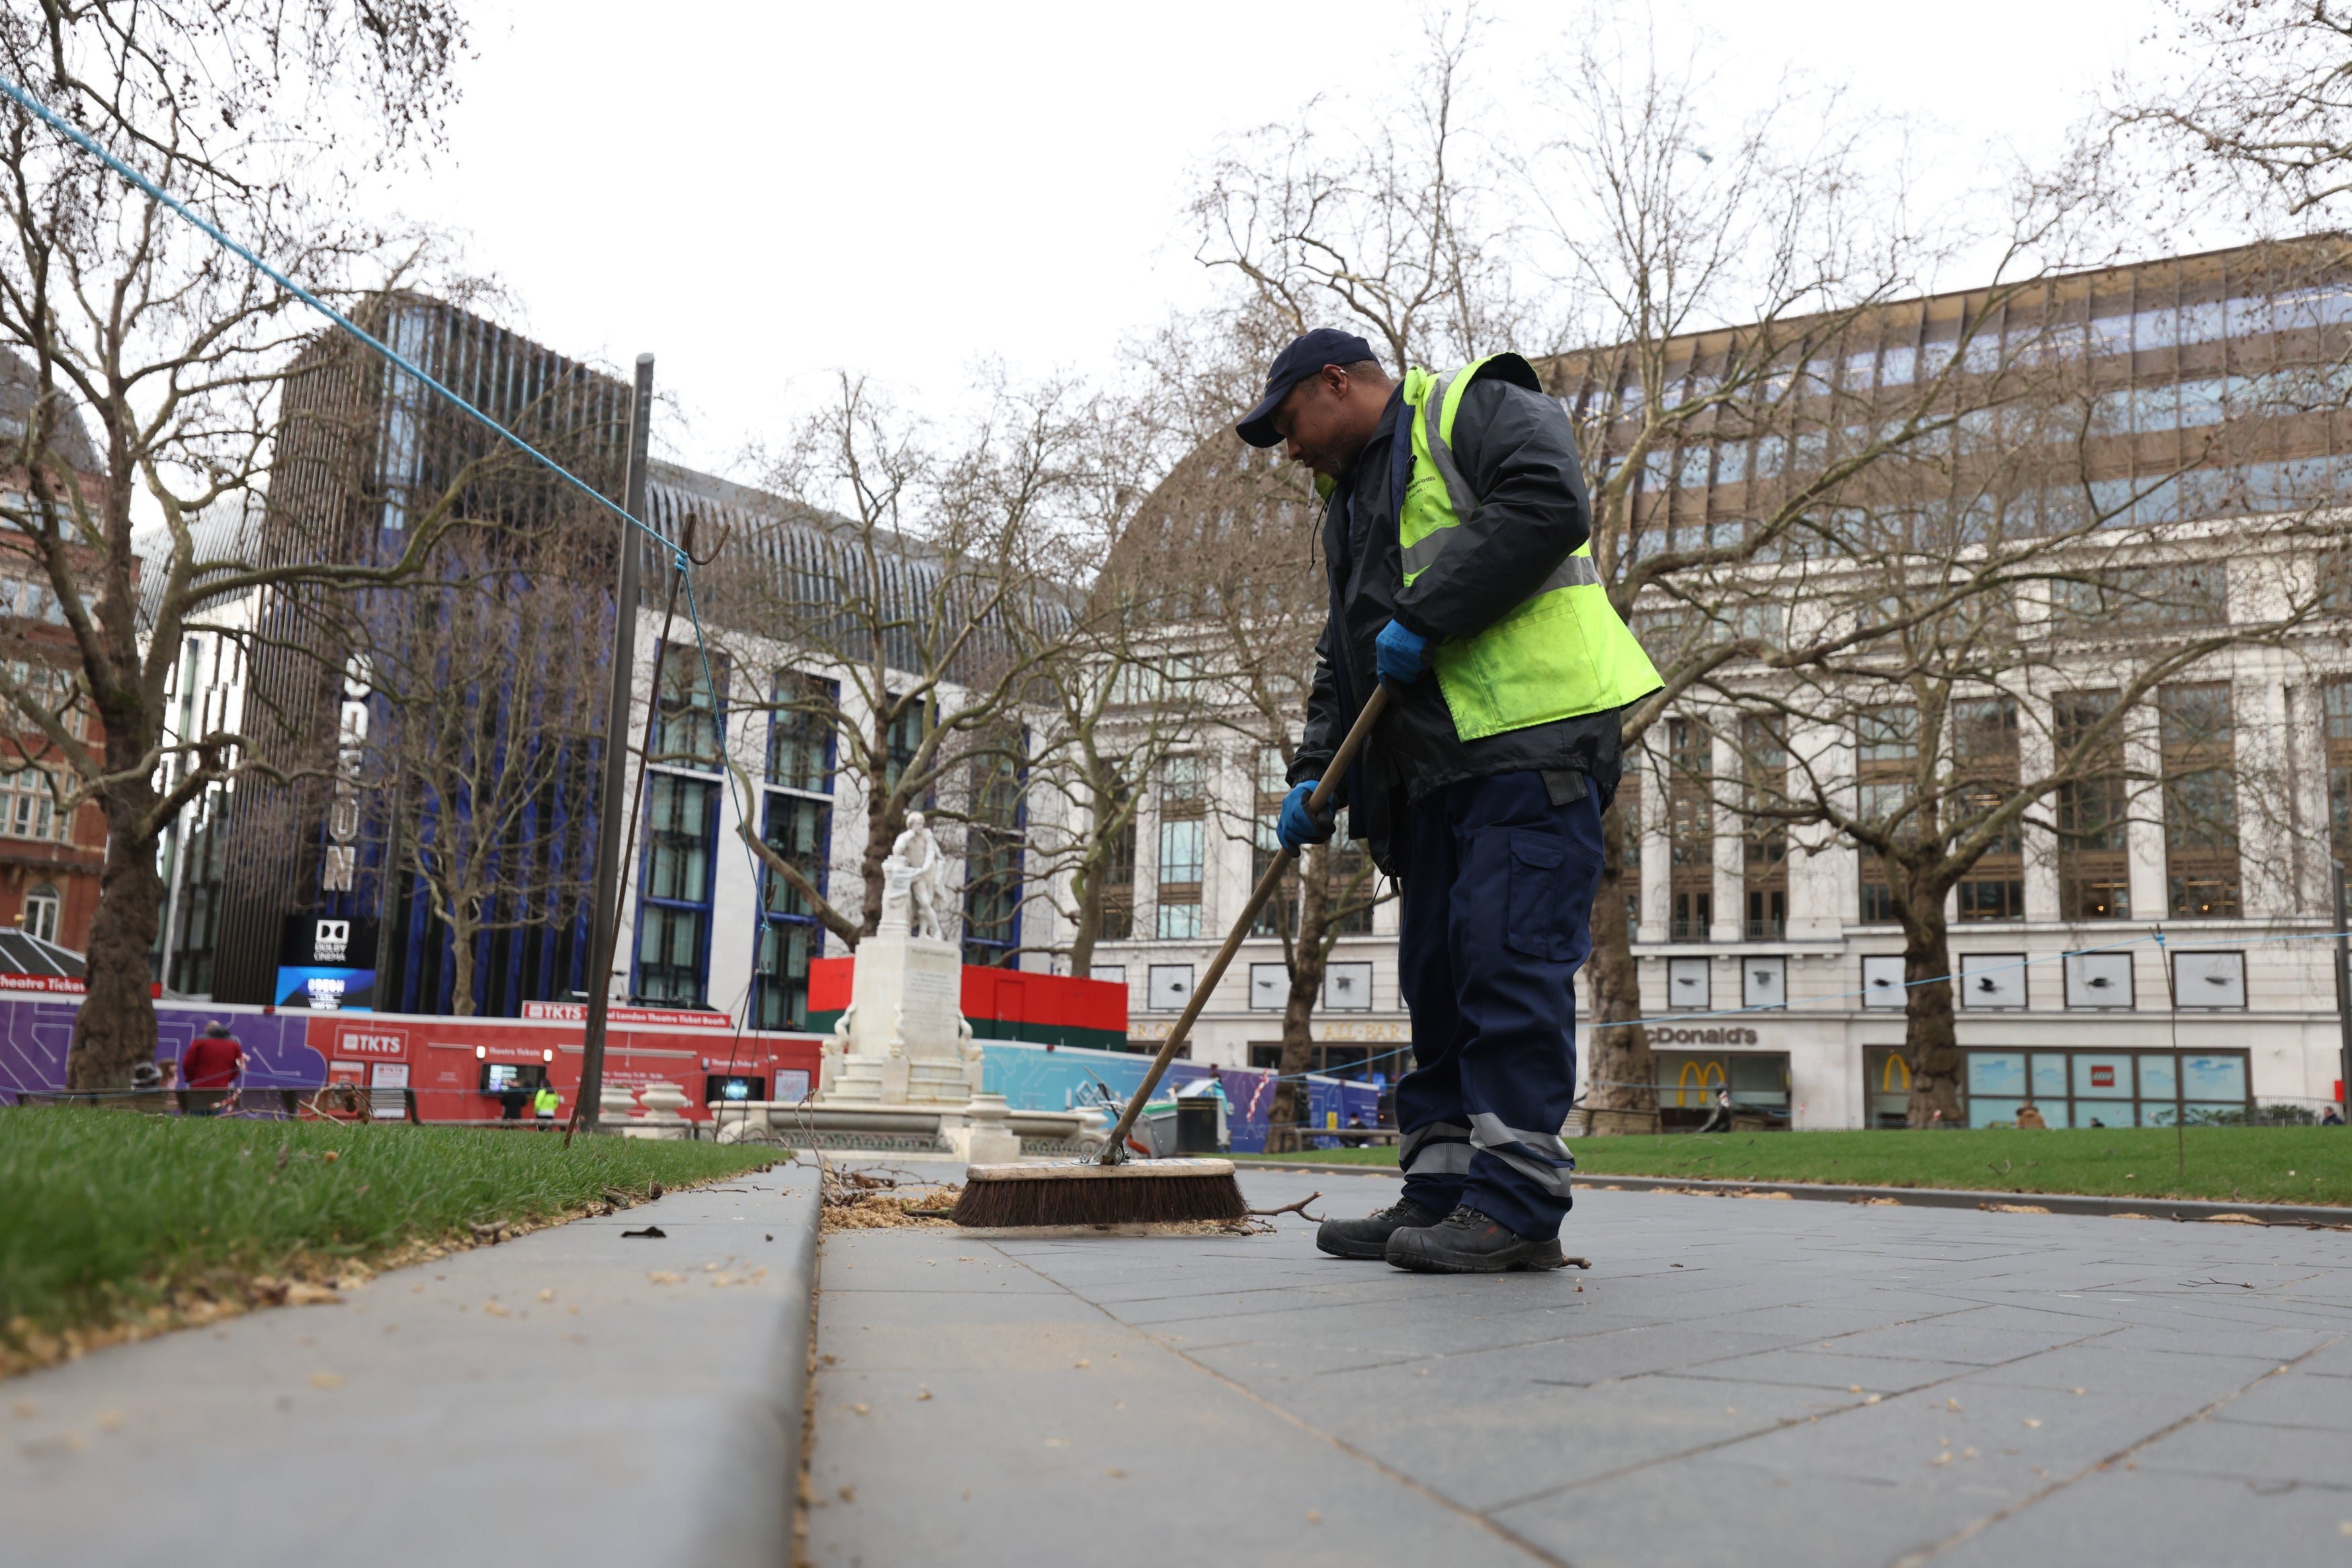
570 1396
1816 1383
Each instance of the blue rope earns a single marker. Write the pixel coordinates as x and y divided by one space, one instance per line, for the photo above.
678 558
82 139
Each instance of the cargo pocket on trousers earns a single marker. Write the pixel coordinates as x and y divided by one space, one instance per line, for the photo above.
1539 919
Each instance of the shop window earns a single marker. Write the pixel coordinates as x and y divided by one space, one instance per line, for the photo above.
1688 1081
2106 1088
1886 1085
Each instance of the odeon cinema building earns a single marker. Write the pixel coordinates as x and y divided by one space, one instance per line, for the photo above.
2150 941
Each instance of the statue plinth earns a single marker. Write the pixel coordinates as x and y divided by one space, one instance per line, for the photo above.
904 1041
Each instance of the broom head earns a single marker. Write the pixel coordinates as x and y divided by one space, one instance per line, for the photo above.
1084 1192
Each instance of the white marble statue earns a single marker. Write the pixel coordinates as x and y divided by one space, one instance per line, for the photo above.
917 853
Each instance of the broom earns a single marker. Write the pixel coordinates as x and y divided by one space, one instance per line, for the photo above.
1111 1189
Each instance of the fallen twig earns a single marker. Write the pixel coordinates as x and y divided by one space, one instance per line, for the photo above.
1298 1208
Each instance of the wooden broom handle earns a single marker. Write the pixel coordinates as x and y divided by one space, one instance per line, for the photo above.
1114 1152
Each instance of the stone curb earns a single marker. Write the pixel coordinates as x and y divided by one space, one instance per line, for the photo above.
1917 1196
573 1396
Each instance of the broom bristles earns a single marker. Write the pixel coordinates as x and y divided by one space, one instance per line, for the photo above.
1146 1191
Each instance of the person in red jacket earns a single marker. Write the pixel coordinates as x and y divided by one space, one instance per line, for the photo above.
208 1069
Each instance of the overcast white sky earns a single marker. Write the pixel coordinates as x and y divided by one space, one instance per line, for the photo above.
760 193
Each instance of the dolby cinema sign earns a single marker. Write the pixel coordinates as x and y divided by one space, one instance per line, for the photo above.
327 966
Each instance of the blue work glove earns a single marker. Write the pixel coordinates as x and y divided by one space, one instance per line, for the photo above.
1397 654
1298 827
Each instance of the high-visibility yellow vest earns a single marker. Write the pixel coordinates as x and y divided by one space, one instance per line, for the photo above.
544 1101
1563 651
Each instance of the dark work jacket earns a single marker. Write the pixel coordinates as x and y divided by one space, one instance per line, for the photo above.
1518 456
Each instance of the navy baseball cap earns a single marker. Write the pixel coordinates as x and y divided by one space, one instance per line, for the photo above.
1303 359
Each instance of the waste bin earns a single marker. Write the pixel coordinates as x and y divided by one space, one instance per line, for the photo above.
1196 1126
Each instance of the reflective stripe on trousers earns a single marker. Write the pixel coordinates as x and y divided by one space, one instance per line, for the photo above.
1498 886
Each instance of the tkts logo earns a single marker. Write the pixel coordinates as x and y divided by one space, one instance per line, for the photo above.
333 941
352 1042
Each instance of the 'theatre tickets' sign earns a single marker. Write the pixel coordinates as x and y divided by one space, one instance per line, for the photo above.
644 1017
63 985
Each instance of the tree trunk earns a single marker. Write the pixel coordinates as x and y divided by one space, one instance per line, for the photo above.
1929 1038
879 836
115 1029
1088 887
461 963
1307 955
1620 1073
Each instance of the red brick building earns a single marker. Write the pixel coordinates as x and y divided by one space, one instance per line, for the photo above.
49 859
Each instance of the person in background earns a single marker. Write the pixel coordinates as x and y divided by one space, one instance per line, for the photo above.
2030 1115
1718 1119
208 1069
511 1098
2331 1117
545 1103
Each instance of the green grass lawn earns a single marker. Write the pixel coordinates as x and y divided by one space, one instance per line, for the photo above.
107 1215
2231 1164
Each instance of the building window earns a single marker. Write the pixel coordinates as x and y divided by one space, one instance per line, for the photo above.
2336 700
800 735
1628 807
1184 846
674 926
1764 841
2200 801
991 856
1690 828
902 741
2093 870
29 807
796 823
1119 885
1280 913
1984 748
2108 1088
196 931
686 720
1887 756
41 906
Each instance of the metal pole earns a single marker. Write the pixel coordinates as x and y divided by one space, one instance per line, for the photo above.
2343 993
605 913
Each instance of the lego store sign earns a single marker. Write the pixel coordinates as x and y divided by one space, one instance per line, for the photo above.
2102 1077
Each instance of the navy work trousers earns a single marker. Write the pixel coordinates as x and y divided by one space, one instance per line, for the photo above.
1497 915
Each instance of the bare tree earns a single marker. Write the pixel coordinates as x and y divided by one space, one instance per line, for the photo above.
129 318
1728 291
906 611
2260 101
2002 701
491 693
1400 229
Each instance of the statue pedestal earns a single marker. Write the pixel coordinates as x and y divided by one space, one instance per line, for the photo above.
902 1041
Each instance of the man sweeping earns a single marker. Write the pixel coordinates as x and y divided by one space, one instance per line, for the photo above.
1457 532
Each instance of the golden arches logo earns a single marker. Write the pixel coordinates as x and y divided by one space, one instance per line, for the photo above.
1896 1078
1706 1075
